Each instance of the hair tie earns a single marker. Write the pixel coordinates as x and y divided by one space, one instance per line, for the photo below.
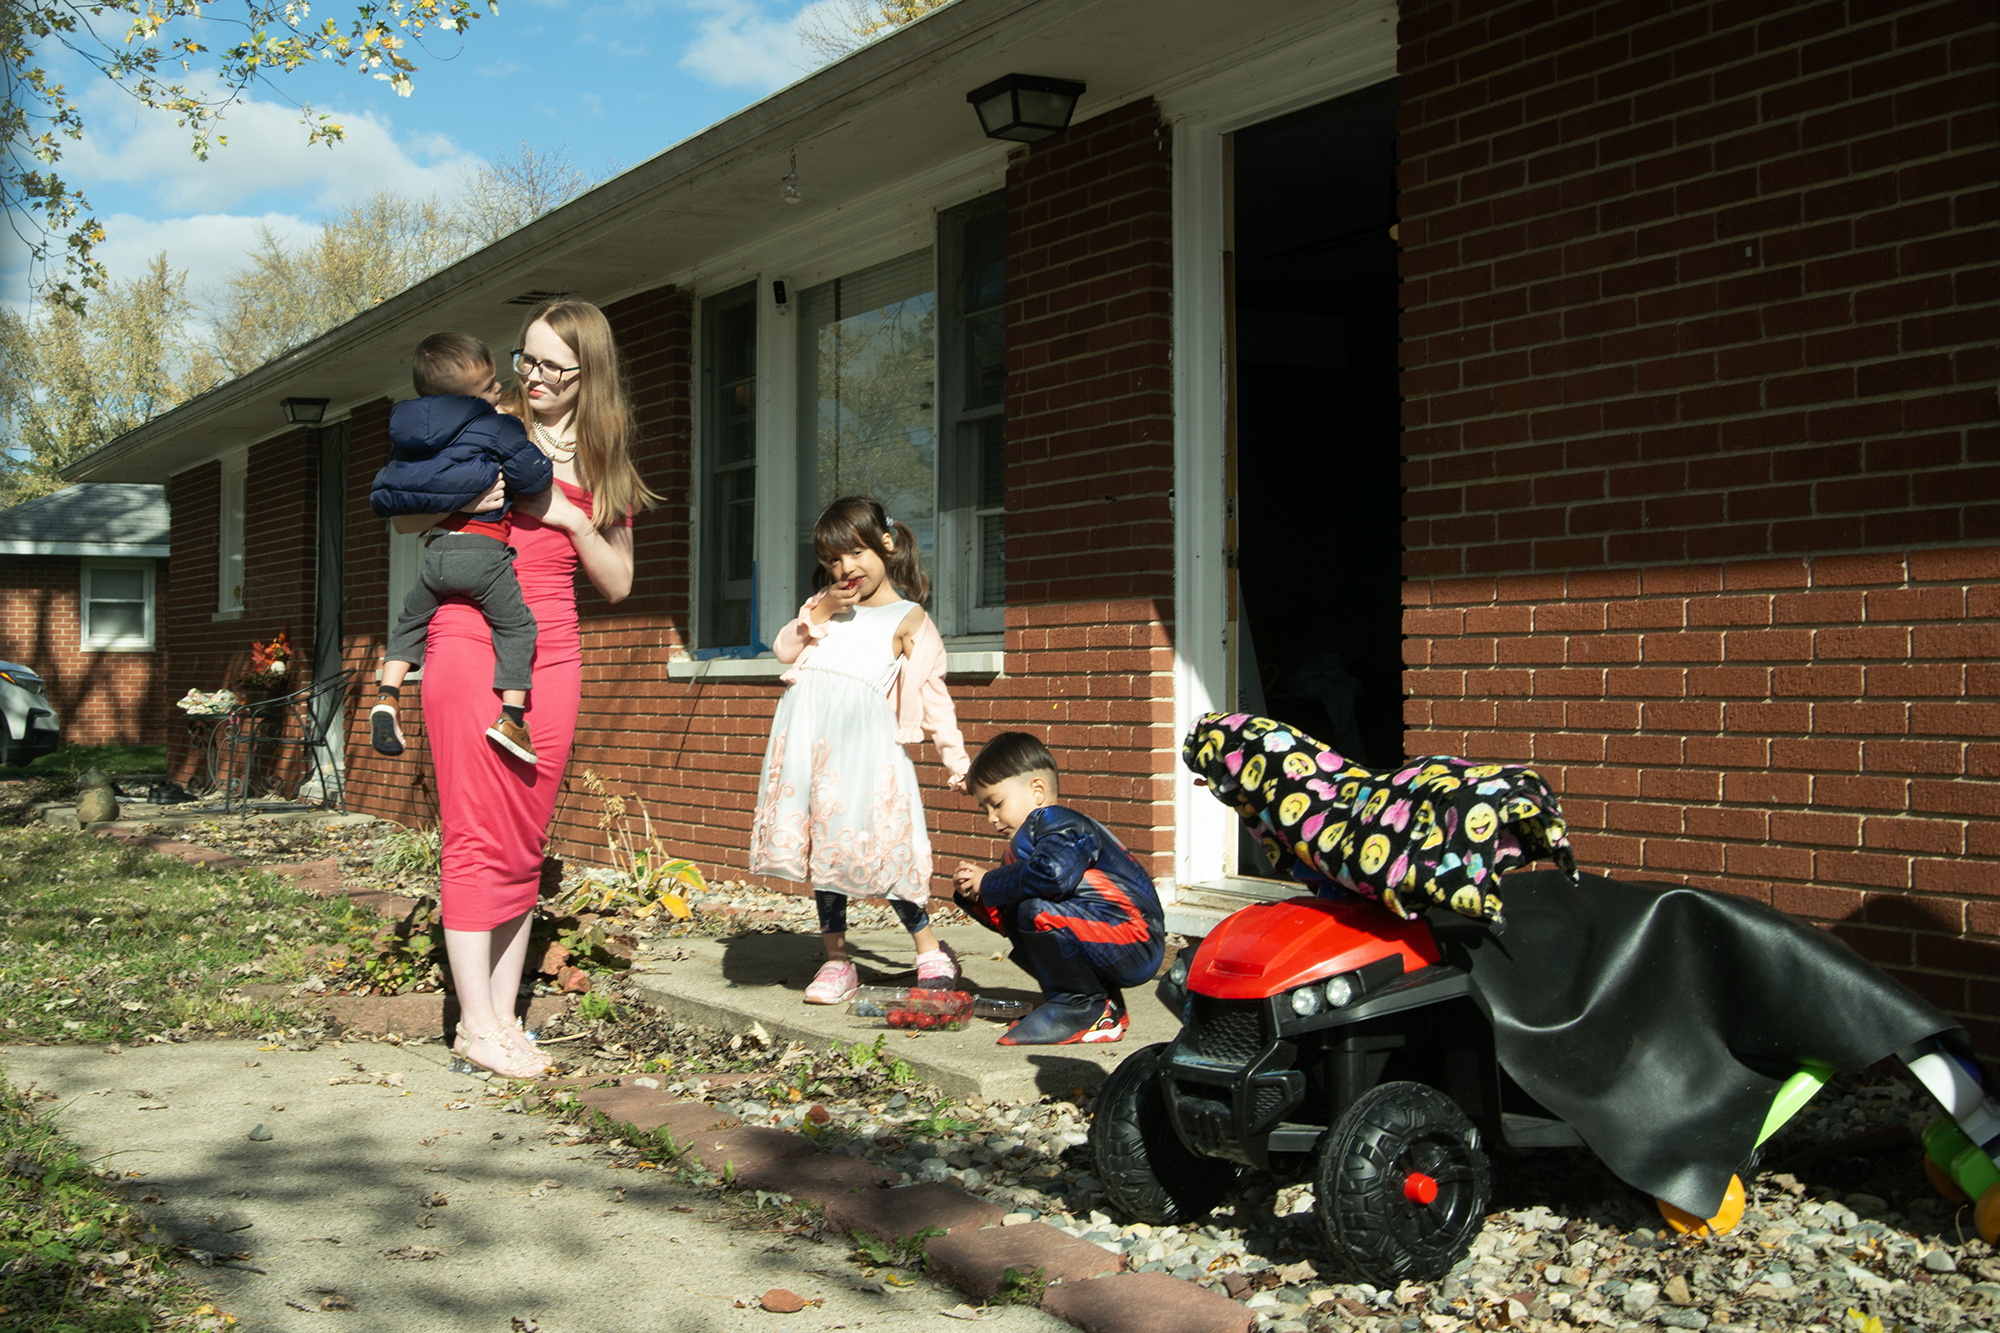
889 521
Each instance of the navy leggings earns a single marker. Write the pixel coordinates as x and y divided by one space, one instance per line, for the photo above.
833 913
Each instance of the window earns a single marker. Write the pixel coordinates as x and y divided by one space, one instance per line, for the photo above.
867 423
727 624
229 571
117 610
972 416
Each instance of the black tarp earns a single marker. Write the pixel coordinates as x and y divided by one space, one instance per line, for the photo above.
1660 1020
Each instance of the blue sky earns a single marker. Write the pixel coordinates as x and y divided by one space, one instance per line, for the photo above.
613 81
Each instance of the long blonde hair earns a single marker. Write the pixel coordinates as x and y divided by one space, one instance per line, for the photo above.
603 420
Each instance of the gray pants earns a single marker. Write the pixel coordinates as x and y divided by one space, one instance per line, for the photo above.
472 565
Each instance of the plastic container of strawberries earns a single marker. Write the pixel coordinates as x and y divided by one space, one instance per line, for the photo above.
914 1010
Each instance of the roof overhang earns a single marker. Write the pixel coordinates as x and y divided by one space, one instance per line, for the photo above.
892 110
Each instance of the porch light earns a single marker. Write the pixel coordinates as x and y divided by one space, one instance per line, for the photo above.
1026 108
305 411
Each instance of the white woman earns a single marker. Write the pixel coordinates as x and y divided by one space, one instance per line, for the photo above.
494 812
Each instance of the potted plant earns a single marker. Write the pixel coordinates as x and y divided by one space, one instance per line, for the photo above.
270 664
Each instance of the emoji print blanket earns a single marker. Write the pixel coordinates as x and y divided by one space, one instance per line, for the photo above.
1436 831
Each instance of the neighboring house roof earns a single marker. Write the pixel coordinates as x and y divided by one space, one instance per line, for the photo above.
101 518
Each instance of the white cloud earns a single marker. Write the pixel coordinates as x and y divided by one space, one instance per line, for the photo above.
266 151
741 44
209 247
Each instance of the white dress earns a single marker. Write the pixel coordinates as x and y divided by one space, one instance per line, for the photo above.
839 807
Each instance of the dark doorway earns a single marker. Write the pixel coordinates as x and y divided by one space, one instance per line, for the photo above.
1318 463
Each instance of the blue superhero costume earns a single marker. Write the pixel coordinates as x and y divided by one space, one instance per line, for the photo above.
1083 919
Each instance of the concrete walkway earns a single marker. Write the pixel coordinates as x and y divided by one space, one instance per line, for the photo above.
762 978
362 1180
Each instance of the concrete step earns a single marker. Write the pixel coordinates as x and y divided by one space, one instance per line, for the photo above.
761 978
1197 909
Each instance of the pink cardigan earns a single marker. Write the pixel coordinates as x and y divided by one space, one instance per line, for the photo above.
918 694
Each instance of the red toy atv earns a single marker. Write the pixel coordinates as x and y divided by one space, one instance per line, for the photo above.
1330 1040
1323 1039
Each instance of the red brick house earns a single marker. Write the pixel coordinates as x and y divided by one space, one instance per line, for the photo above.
83 573
1590 385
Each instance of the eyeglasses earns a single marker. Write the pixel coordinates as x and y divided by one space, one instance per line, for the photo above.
554 376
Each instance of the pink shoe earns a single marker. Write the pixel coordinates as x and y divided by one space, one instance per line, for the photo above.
834 983
938 969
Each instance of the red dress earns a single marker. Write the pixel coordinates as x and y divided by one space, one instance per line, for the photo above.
495 810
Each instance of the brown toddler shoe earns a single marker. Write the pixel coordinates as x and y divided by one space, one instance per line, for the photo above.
512 737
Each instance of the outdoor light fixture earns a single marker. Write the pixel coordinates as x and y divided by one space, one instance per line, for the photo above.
305 411
1026 108
788 184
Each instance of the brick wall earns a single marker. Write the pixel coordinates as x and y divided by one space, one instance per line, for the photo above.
279 556
1703 463
1818 733
400 788
1089 363
101 698
1706 285
1090 543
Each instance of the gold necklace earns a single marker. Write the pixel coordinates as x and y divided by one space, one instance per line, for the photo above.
552 444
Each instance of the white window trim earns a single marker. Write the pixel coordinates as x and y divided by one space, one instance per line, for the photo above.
140 644
1354 52
232 519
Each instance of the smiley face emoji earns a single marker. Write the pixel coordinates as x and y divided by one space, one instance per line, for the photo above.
1253 772
1293 808
1374 854
1481 771
1298 764
1394 902
1330 835
1376 804
1480 821
1466 901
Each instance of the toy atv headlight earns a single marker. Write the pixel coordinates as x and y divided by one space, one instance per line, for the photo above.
1178 974
1307 1000
1340 990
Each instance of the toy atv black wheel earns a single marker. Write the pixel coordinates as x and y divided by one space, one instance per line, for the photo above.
1146 1171
1401 1184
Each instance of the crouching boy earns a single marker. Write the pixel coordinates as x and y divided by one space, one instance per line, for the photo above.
1080 912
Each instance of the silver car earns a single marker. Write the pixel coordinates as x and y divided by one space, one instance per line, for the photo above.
31 727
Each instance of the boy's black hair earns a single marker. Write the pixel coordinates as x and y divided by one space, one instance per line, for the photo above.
1009 755
444 361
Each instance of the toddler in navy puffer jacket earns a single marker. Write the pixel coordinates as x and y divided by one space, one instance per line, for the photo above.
448 448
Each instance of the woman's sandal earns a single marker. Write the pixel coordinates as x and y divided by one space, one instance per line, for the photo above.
520 1066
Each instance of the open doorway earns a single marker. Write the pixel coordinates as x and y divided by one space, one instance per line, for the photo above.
1317 458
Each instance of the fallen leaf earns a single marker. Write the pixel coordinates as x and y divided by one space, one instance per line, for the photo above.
779 1301
335 1302
525 1325
420 1253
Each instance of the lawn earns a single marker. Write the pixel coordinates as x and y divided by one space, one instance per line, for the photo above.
101 941
110 759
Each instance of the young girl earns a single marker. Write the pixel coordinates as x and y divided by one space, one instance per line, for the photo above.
839 808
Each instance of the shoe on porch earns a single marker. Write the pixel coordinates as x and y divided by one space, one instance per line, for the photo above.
1066 1019
938 968
834 983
